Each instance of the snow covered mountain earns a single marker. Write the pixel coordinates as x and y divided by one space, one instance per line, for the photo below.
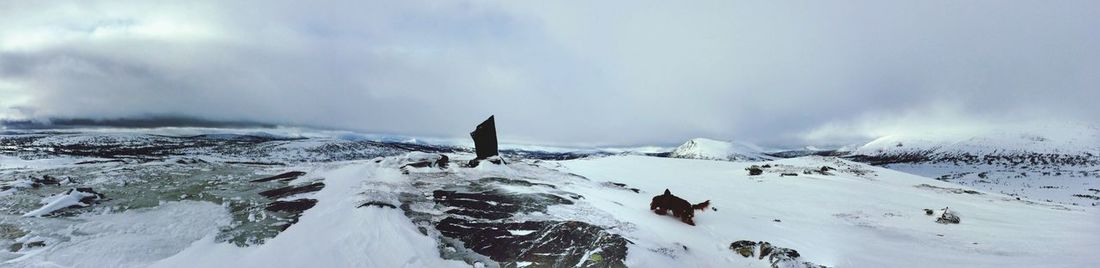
702 148
1048 145
1052 162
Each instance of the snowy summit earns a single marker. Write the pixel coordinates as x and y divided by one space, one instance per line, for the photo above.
702 148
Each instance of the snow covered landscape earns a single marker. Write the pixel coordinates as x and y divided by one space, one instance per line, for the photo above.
489 133
131 199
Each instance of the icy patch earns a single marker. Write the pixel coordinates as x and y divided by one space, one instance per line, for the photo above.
81 197
133 238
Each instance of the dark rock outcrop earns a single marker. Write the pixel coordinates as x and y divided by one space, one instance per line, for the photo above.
478 225
777 256
494 205
46 180
485 138
282 177
424 160
948 217
755 170
622 186
377 204
292 190
543 243
293 206
92 197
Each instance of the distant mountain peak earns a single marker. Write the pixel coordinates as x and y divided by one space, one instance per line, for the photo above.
1058 143
703 148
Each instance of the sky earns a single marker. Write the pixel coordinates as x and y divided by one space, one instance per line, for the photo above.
779 73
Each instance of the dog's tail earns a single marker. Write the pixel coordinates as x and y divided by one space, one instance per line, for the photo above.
701 206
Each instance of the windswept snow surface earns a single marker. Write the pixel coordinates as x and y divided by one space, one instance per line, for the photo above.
133 238
840 220
334 233
701 148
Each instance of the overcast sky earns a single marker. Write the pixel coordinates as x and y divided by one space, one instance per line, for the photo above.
554 72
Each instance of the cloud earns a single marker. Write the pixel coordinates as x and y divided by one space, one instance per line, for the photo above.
557 73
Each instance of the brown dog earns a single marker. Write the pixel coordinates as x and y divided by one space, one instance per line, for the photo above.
661 204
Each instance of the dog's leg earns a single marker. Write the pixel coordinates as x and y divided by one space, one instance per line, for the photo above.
661 211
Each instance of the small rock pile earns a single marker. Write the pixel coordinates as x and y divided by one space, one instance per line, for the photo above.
777 256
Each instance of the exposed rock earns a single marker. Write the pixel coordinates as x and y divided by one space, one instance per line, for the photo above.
293 206
621 186
494 205
948 189
377 204
777 256
745 248
928 212
10 231
189 161
755 170
1087 196
423 160
15 247
283 177
518 182
948 217
292 190
788 174
46 180
92 196
477 225
543 243
35 244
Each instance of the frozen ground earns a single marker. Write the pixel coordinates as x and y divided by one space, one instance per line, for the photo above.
382 205
1069 185
841 220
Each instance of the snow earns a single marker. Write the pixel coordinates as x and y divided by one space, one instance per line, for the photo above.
861 216
59 201
16 163
1044 139
334 233
133 238
521 232
1063 184
845 220
700 148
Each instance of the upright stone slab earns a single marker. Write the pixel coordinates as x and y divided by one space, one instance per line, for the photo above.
485 138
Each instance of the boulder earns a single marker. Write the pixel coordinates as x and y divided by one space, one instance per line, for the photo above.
948 217
755 170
